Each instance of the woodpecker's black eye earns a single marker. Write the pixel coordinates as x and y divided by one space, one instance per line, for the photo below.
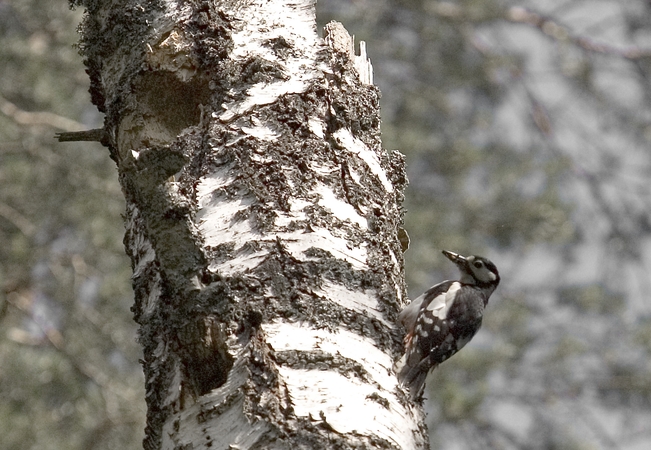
478 264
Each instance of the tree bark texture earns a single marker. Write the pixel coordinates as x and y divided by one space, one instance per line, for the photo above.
262 223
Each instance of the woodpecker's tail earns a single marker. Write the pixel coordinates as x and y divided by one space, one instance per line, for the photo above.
413 377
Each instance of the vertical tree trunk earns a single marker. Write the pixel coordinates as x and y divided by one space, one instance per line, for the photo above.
262 220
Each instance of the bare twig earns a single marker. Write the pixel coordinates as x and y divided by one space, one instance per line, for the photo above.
549 27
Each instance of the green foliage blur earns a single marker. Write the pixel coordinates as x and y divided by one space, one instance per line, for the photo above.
69 372
527 131
524 144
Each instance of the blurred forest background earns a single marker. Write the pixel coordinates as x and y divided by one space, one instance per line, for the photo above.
527 130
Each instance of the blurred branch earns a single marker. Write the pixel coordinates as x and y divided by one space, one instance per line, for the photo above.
37 118
587 416
623 383
494 433
17 219
627 232
56 341
549 27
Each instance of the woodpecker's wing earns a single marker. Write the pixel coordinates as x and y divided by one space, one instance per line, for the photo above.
449 328
413 367
440 298
409 315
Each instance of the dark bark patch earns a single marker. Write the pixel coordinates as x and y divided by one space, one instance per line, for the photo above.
258 70
320 360
379 399
168 99
205 356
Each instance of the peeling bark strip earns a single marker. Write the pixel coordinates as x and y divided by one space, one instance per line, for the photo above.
262 223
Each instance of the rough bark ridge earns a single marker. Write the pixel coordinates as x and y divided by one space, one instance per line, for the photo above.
262 220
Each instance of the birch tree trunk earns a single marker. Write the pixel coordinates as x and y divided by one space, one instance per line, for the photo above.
262 219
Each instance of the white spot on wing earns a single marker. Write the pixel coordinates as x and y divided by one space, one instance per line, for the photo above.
440 305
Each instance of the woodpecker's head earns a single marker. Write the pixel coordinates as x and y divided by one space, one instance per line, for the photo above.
475 270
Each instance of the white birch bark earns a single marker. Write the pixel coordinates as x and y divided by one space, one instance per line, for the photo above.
262 221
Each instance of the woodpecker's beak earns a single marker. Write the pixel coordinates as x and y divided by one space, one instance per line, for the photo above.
459 260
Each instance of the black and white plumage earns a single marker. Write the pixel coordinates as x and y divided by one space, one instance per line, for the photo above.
444 319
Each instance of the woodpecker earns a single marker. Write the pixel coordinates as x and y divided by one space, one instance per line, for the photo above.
444 319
